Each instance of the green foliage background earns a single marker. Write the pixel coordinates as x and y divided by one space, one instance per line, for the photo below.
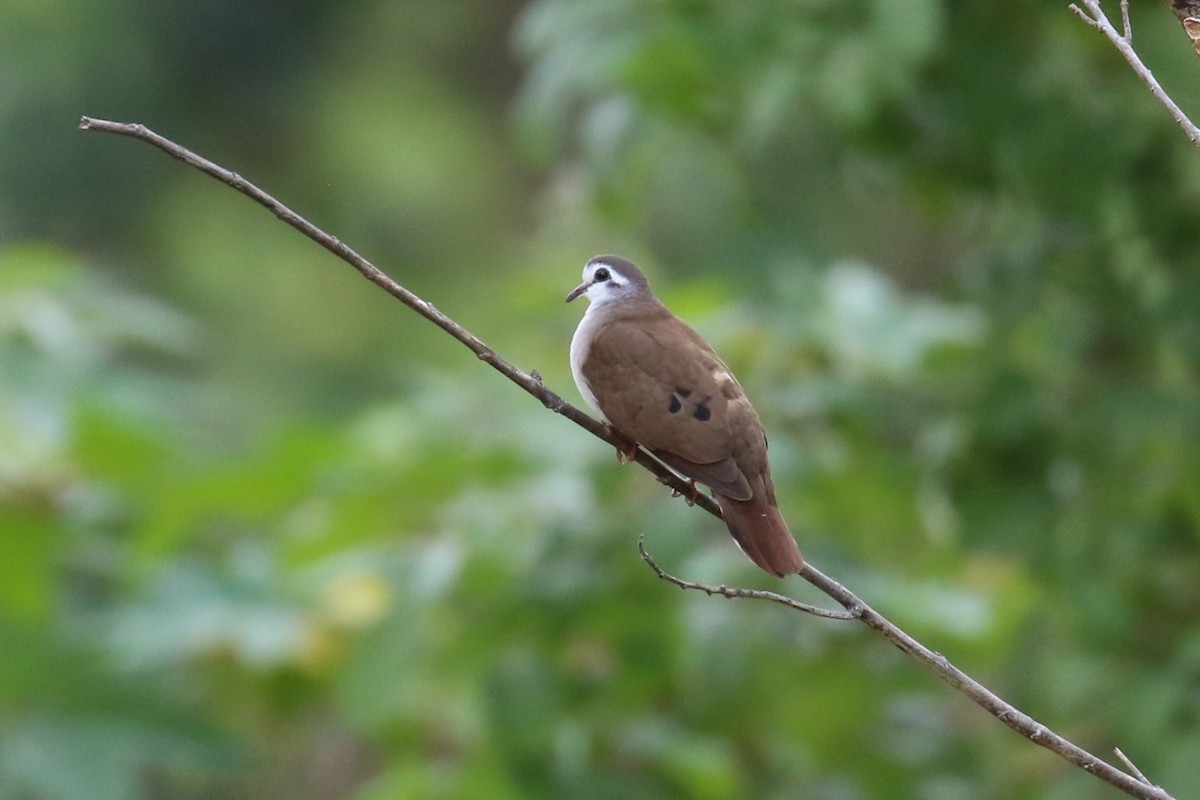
266 534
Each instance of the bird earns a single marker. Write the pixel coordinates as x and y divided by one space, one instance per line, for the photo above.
658 383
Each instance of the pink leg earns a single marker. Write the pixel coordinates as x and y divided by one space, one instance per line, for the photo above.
627 455
689 496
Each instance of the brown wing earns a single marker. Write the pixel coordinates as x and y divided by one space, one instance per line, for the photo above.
658 382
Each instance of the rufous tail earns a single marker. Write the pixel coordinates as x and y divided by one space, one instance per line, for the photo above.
759 529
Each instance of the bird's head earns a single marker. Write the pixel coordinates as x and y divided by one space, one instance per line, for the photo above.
611 279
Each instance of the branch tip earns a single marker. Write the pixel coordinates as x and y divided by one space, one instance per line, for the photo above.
1079 12
1133 767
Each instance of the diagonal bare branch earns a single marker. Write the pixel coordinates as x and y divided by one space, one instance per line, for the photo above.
1011 716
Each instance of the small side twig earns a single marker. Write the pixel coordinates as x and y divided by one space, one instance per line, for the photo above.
736 592
1094 16
1004 711
1132 767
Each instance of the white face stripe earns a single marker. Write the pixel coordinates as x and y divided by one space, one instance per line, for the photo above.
589 272
607 290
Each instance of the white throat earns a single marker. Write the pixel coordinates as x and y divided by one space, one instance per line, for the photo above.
581 345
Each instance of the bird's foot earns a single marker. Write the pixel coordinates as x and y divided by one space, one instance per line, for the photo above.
627 455
690 496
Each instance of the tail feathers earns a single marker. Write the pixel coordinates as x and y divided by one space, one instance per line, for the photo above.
761 533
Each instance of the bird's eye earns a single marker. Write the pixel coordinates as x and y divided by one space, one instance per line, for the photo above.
601 275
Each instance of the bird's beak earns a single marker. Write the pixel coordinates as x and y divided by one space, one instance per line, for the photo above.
578 290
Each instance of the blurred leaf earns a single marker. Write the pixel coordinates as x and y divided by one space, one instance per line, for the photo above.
265 534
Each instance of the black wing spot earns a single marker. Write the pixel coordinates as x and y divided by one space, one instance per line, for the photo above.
682 392
702 412
675 405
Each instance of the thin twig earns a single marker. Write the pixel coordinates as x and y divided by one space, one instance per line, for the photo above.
1094 16
855 608
1007 713
738 593
1079 13
1132 767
